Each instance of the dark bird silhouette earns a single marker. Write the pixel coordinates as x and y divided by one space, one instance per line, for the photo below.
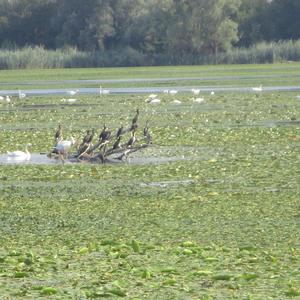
133 127
58 134
136 117
132 140
146 128
146 133
120 131
117 143
89 137
105 134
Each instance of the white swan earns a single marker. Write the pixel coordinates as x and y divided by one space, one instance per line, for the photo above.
173 92
195 91
257 89
177 102
71 100
103 91
20 155
199 100
154 101
21 95
73 92
152 96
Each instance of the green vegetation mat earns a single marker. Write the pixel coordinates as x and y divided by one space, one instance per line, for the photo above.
198 76
221 222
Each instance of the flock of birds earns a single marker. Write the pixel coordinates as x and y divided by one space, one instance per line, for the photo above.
62 146
153 98
86 146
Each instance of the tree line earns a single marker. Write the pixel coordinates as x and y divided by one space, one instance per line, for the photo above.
173 28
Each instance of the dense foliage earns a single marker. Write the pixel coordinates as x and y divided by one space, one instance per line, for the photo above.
170 27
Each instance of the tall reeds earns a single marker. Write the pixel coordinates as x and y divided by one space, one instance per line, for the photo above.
38 57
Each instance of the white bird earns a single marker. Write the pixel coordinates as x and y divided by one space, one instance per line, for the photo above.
21 95
195 91
257 89
103 91
74 92
1 98
173 92
70 100
20 155
152 96
154 101
7 99
212 93
64 146
177 102
199 100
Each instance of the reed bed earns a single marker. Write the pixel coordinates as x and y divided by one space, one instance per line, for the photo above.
38 57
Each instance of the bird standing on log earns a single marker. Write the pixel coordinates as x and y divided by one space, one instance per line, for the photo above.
132 140
120 131
58 134
136 117
105 134
117 143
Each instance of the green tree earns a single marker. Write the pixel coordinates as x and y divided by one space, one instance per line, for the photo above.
251 18
282 20
202 27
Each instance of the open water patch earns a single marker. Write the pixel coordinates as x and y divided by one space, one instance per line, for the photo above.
38 158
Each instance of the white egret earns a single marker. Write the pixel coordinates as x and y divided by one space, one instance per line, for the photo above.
64 146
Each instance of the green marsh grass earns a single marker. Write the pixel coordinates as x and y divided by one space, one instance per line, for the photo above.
184 76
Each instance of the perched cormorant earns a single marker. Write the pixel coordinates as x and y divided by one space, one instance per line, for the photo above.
136 117
58 134
132 140
134 127
120 131
146 133
89 136
146 128
105 134
117 143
